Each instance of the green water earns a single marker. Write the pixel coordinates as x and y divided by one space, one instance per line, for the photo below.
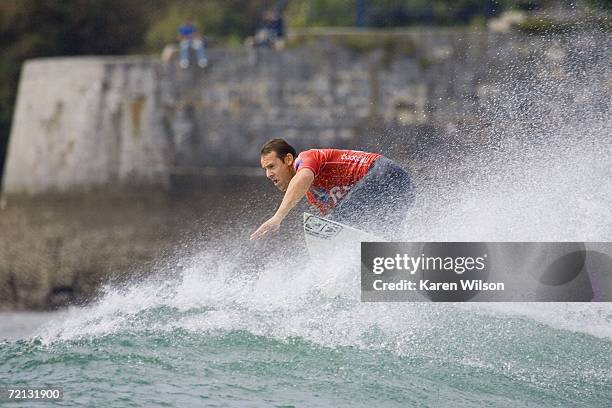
449 356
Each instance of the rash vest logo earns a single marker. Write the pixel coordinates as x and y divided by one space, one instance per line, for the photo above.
338 192
320 194
334 195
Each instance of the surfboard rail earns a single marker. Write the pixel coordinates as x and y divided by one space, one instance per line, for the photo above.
325 237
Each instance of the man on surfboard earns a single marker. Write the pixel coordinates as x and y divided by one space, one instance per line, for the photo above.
349 186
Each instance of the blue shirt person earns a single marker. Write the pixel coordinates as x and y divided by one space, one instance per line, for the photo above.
190 39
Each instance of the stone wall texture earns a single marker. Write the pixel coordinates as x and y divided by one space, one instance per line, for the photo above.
86 122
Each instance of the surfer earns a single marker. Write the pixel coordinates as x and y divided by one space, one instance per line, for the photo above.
361 189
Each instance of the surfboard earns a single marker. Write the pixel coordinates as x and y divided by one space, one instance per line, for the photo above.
324 237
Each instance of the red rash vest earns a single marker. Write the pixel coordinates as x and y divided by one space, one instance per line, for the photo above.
336 172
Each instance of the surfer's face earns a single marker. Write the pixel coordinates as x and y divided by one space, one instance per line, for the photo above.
280 172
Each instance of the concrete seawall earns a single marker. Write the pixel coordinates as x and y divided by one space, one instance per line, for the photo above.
91 121
86 122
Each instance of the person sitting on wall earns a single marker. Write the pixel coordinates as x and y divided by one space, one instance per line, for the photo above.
361 189
271 32
190 39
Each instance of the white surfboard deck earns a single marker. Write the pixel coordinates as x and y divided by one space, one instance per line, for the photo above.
324 238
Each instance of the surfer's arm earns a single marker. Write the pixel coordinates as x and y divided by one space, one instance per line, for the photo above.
296 190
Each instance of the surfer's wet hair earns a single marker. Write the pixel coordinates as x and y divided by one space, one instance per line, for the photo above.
279 146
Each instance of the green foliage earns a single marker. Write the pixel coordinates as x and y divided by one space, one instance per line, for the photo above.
321 13
360 44
387 13
478 23
231 20
297 14
395 47
601 4
425 63
544 26
538 26
164 29
392 45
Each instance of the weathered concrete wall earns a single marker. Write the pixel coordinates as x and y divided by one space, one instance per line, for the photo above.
325 93
84 122
87 121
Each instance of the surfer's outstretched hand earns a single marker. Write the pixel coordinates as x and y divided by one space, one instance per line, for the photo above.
272 225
